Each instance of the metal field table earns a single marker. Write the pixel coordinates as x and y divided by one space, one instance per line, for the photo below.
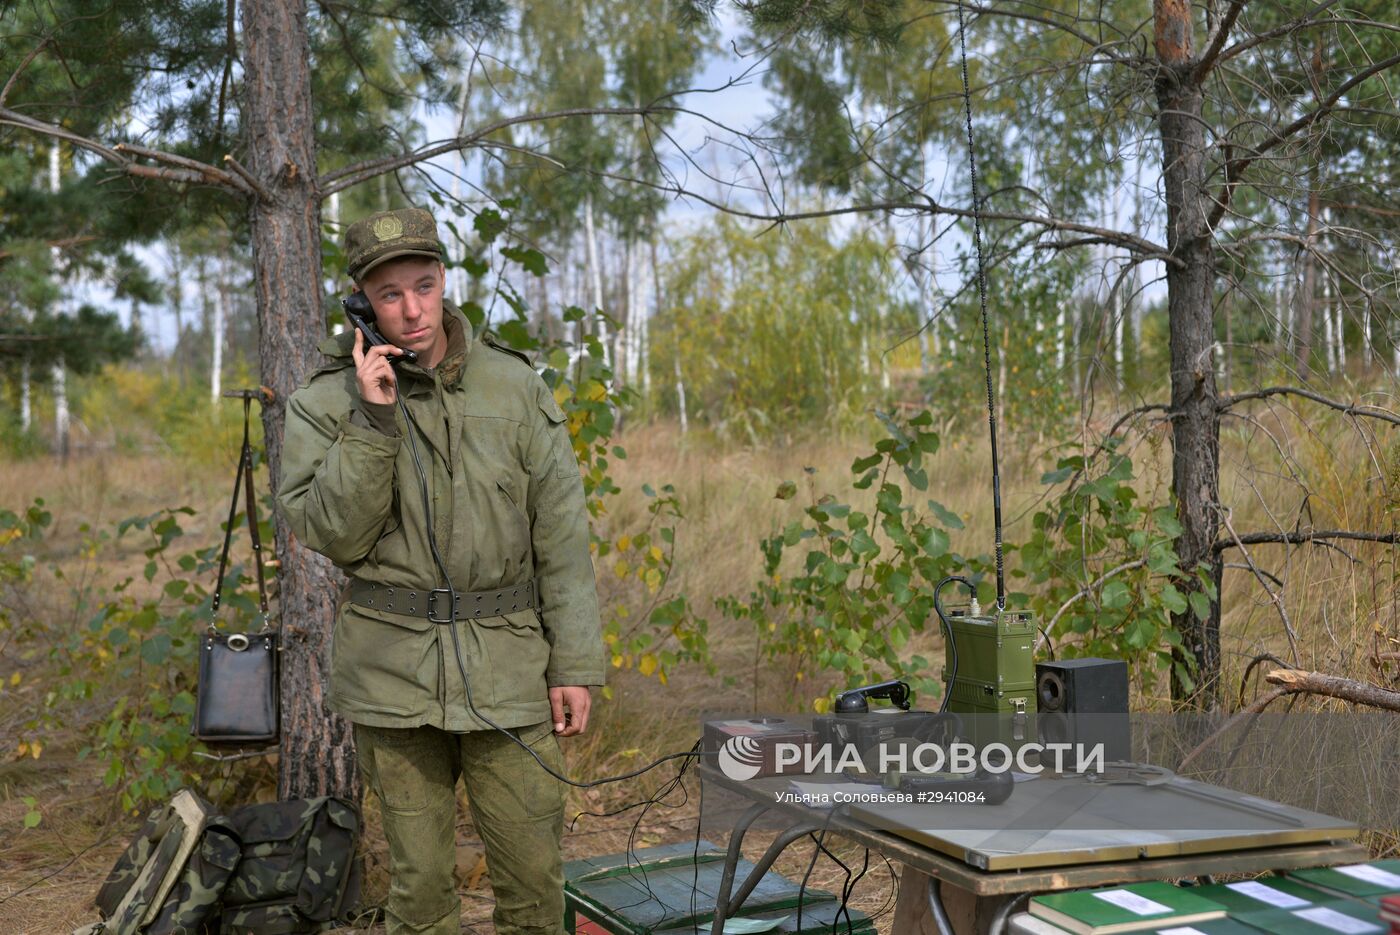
964 878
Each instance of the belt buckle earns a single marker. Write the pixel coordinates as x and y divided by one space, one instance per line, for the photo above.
432 596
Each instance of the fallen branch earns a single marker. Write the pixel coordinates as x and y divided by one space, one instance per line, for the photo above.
1334 686
1298 681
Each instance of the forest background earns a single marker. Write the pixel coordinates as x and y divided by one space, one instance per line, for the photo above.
739 242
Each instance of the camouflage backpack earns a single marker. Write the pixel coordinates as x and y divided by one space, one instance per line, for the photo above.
283 867
169 879
298 867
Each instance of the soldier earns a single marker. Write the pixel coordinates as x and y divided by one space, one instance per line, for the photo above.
511 530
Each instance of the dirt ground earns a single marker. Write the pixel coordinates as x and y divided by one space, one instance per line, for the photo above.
42 896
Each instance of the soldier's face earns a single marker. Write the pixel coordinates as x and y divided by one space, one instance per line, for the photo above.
407 299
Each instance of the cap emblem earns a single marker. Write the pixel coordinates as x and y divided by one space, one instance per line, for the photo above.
388 228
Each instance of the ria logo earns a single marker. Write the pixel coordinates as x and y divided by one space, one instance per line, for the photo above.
740 758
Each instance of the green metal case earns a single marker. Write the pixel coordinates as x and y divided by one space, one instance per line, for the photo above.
995 674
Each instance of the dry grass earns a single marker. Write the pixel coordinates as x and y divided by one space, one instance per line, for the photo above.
1340 604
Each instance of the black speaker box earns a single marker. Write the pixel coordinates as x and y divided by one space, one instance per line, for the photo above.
1084 701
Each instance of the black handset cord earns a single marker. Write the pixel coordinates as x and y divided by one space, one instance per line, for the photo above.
409 428
948 628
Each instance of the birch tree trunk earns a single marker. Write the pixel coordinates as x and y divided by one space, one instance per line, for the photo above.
61 419
1307 294
595 274
216 339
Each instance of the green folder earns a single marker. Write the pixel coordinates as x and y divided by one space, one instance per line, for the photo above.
1130 908
1208 927
1340 917
1263 894
1360 881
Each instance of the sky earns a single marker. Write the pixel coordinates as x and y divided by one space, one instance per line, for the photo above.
729 92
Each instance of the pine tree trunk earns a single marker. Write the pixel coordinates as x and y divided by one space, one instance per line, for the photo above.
317 756
1190 281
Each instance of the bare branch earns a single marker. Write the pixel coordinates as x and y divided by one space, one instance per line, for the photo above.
1216 42
1254 568
33 54
1091 588
1262 657
1373 412
1254 710
1235 168
168 175
1319 536
61 244
187 170
1308 19
1130 242
1273 595
16 119
249 180
217 176
341 179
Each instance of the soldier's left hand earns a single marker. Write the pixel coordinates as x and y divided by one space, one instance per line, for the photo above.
569 705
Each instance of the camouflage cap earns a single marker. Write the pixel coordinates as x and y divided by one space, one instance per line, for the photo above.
387 235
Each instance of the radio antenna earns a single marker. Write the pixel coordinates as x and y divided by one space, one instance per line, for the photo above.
982 301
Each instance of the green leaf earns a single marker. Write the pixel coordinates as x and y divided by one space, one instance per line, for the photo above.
786 491
944 515
1115 595
1057 477
863 545
1173 600
531 259
1200 605
515 333
792 533
1166 521
935 542
860 465
489 224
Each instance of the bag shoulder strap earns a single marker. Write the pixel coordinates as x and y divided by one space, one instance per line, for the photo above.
243 476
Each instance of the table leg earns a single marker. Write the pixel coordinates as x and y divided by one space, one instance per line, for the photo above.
731 863
929 907
756 874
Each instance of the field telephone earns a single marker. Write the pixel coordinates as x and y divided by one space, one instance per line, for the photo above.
360 313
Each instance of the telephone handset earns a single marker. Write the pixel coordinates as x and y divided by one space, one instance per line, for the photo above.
360 314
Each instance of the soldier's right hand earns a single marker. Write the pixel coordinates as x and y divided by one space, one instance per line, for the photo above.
373 373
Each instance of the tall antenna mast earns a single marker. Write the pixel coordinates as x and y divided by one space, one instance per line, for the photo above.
982 301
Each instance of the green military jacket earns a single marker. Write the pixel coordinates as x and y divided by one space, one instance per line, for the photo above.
507 506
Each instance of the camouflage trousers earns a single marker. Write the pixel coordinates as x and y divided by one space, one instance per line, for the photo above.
517 807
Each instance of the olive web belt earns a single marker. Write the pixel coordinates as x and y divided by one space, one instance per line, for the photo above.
432 604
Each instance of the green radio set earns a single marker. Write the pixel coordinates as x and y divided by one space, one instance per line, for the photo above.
994 674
